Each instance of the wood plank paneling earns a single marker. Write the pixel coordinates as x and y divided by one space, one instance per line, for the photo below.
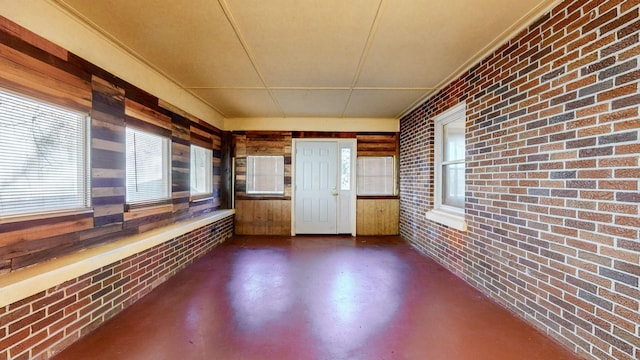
47 230
263 217
377 216
378 144
32 66
33 39
268 143
43 81
107 153
146 114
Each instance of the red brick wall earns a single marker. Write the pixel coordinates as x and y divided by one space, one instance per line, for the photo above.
552 187
44 324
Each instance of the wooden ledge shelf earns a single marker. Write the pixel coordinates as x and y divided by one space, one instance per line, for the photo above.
23 283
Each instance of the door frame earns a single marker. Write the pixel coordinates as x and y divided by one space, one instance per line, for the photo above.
353 199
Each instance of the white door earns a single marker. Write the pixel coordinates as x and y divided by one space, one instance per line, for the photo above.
316 188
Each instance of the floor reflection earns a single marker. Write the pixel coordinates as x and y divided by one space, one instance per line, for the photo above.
260 289
354 295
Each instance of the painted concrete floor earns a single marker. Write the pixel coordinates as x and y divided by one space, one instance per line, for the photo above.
315 298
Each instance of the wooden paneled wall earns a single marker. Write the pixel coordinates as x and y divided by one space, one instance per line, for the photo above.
377 216
35 67
271 215
257 214
263 217
261 143
378 144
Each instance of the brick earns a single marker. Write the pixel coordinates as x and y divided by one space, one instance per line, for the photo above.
618 69
600 20
602 64
563 175
596 88
626 102
618 231
595 152
564 98
633 197
628 268
618 184
582 184
620 21
22 348
562 117
14 338
581 143
48 320
628 337
618 162
618 208
619 276
579 103
616 138
620 45
596 300
627 125
618 92
26 321
103 275
630 29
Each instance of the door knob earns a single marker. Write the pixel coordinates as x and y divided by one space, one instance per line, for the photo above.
334 192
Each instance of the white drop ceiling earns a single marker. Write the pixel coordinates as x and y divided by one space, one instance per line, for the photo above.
309 58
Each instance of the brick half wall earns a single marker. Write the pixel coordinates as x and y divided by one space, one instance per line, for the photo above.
44 324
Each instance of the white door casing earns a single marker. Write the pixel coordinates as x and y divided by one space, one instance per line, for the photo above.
321 203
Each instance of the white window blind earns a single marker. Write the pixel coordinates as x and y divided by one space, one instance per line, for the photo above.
375 175
148 174
201 170
265 174
43 157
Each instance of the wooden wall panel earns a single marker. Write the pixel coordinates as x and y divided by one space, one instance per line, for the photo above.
378 144
33 77
261 143
107 153
263 217
377 216
33 66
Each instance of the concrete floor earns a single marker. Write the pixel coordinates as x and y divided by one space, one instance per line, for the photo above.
315 298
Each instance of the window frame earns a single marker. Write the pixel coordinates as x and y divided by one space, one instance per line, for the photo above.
394 186
208 171
83 172
264 192
442 213
130 205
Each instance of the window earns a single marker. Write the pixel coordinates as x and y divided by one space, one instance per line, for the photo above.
265 174
43 157
376 175
345 169
201 171
148 175
449 171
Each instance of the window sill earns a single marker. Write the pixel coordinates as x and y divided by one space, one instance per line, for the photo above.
28 281
446 218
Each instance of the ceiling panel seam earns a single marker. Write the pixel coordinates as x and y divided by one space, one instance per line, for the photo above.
525 20
110 38
227 13
365 52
